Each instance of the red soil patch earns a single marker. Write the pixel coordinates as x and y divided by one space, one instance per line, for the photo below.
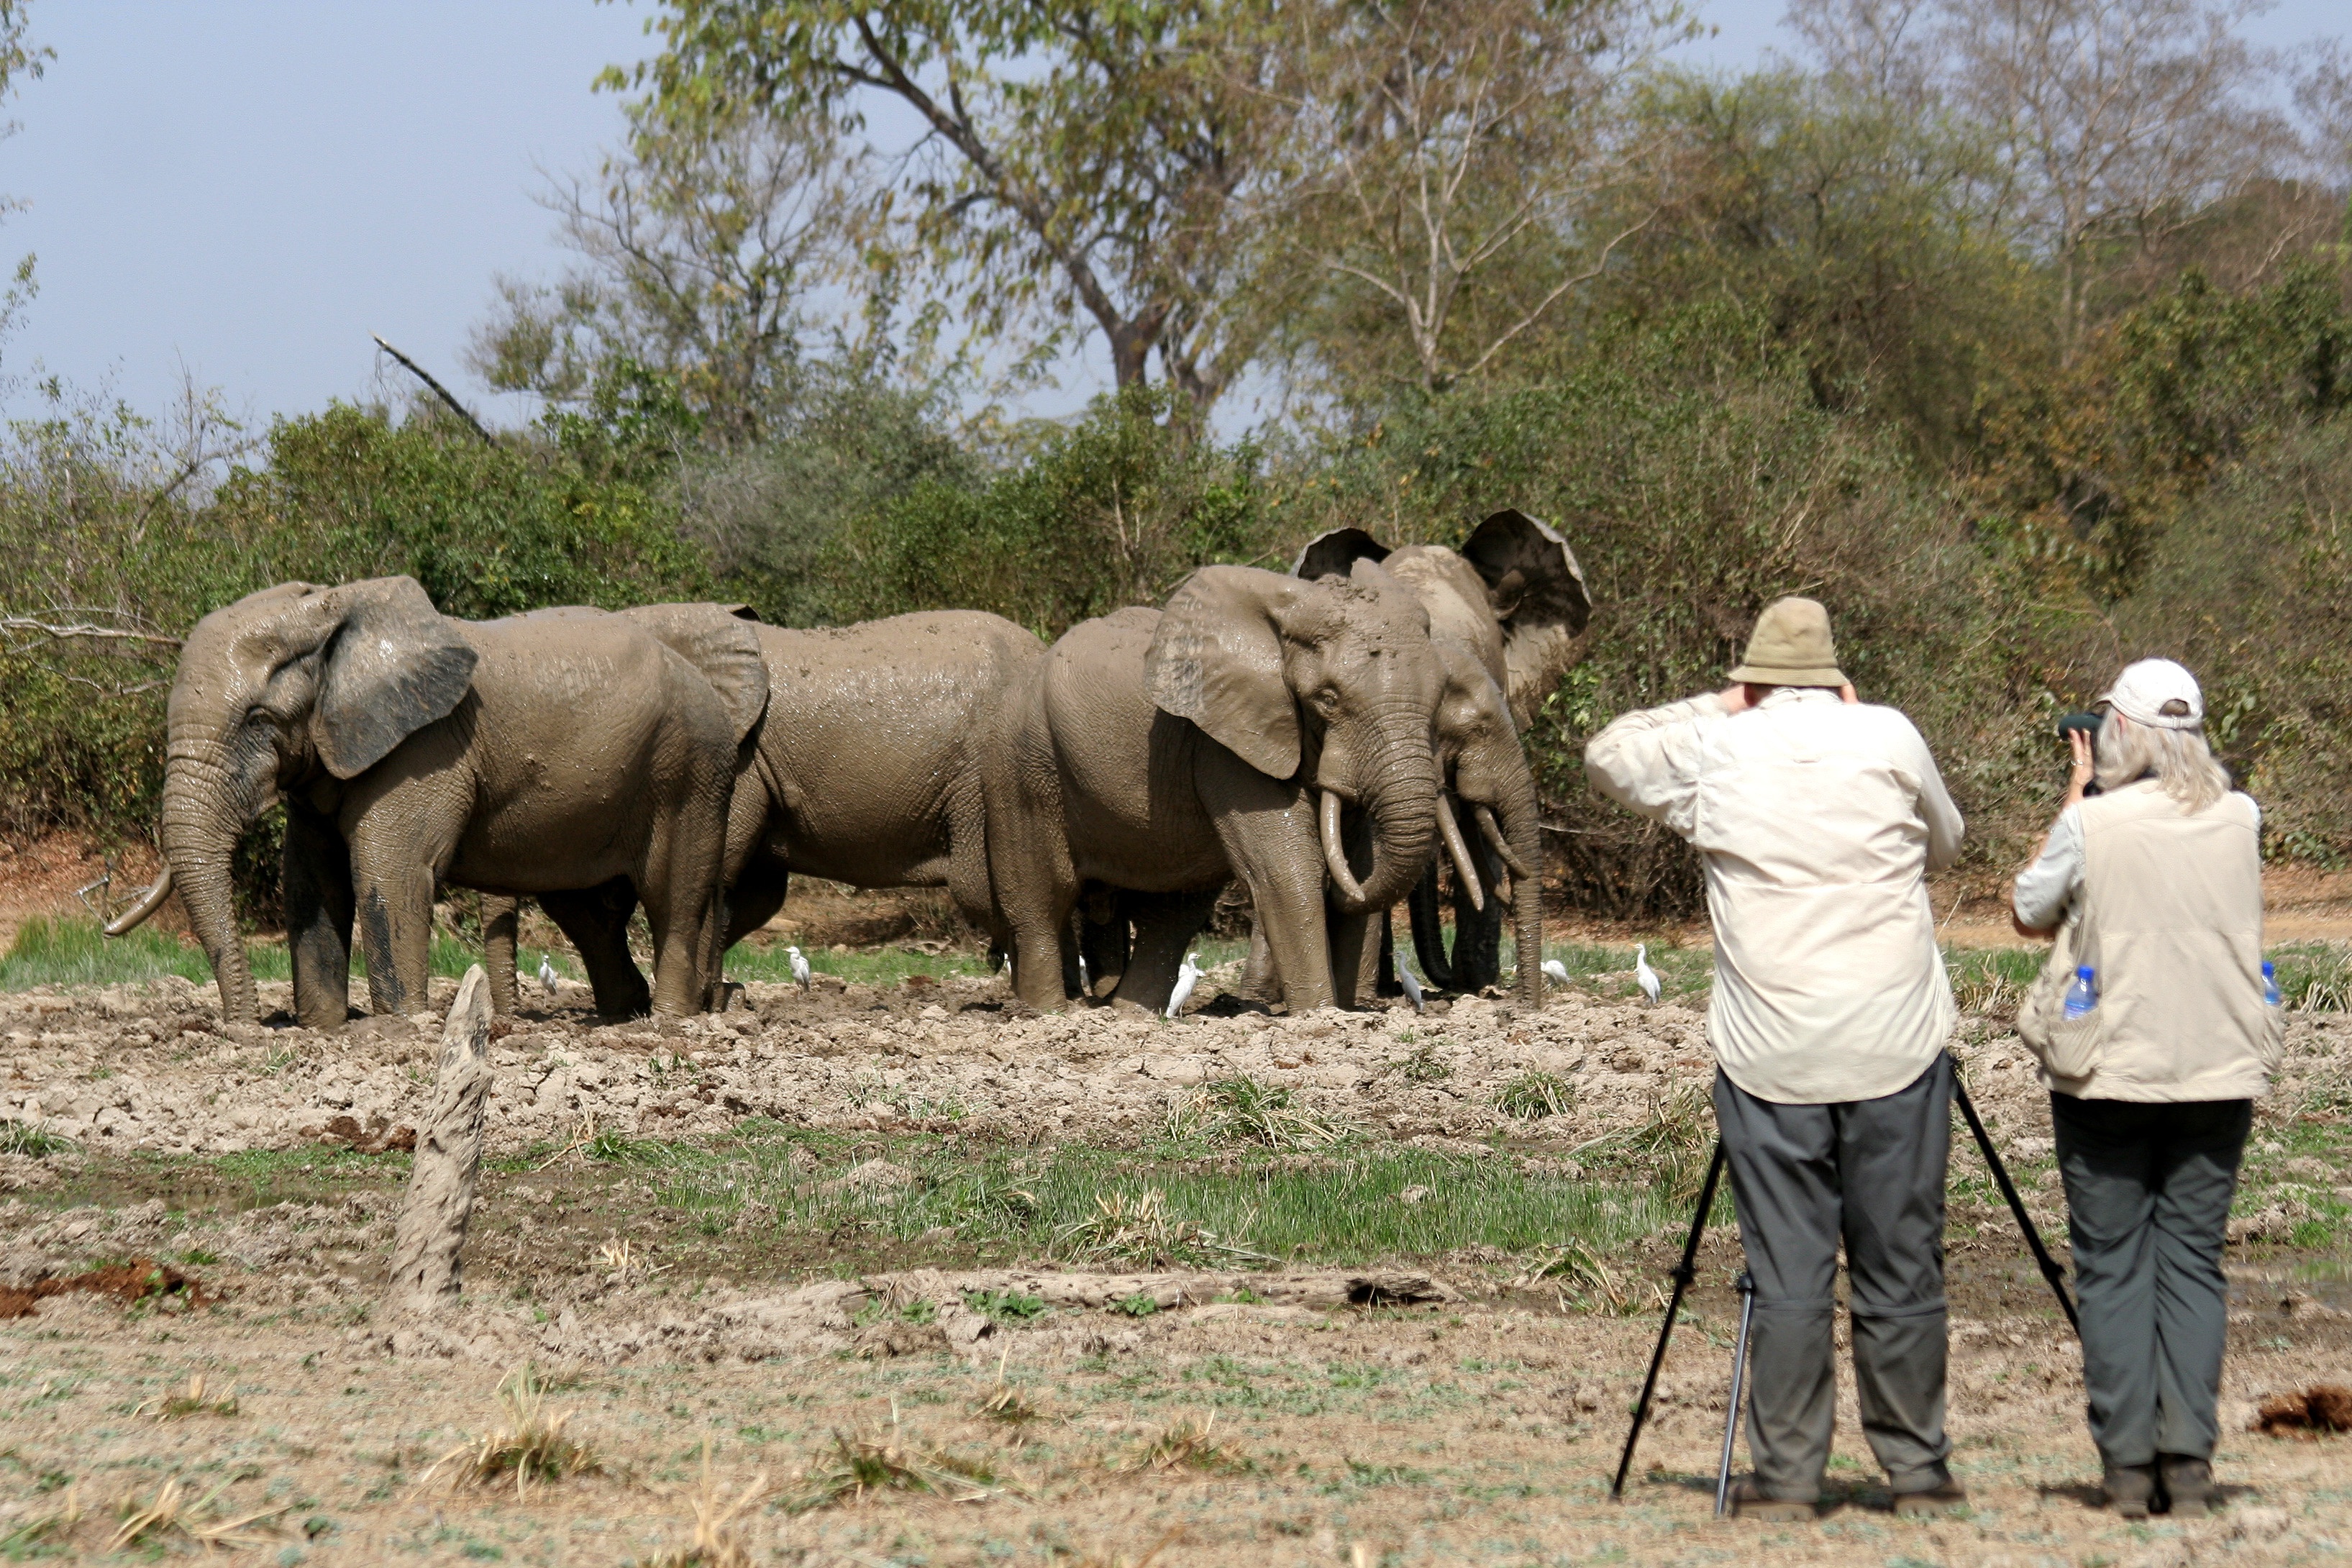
127 1282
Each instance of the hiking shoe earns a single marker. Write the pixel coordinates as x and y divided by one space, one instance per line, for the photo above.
1748 1501
2188 1482
1946 1498
2131 1489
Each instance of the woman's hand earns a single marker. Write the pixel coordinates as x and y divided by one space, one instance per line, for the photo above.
2078 777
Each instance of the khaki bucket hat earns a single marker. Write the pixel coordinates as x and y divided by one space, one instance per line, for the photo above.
1792 647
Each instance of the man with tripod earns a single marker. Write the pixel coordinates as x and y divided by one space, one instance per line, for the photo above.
1818 818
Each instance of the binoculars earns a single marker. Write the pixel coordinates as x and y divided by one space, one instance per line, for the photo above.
2086 723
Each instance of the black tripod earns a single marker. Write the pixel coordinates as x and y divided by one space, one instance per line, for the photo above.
1685 1271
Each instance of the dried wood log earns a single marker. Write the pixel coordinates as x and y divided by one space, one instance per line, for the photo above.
431 1229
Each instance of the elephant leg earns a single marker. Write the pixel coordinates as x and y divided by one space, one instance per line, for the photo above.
499 914
1478 934
1165 925
1267 830
317 917
596 919
1102 938
1259 982
394 906
1355 933
755 898
682 896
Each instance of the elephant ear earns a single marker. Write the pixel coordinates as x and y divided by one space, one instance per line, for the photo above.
1336 554
718 640
1539 595
1216 659
393 665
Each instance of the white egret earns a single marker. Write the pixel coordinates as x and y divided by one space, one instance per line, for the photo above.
1555 971
800 966
1086 981
1187 973
547 974
1406 978
1643 976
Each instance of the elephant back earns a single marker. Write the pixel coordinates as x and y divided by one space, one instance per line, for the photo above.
720 641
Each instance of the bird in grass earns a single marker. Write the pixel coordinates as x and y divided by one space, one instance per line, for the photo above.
1086 981
547 974
1187 973
800 967
1643 976
1406 978
1555 971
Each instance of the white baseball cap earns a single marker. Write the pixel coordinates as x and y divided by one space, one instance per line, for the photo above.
2157 693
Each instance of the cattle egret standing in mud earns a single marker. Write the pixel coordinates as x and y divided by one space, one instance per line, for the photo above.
800 967
1643 976
1555 971
1406 978
547 974
1187 972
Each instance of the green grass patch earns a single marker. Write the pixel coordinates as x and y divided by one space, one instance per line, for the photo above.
2314 975
1343 1207
878 966
74 951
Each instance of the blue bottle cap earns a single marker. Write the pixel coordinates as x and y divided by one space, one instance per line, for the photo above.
2083 973
2269 969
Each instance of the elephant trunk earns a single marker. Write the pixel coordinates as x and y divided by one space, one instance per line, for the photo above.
200 823
1518 843
1398 796
1429 933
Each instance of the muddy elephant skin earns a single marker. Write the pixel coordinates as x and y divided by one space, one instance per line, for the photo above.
865 770
1165 753
552 752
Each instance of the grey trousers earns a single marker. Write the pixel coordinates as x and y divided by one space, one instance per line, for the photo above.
1870 1172
2147 1196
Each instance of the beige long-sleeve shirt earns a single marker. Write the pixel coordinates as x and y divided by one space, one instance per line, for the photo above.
1818 821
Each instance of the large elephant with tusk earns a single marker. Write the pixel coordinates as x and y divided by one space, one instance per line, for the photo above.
544 754
1261 727
1506 612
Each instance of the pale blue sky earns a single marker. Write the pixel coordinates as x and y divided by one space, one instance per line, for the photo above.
249 188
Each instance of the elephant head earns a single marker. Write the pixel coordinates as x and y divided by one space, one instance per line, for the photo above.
1331 682
283 683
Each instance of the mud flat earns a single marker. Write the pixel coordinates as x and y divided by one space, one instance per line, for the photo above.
1242 1290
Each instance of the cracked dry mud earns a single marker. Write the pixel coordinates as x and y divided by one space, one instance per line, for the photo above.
1414 1410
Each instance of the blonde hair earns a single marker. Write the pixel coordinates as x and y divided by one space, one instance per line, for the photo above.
2180 759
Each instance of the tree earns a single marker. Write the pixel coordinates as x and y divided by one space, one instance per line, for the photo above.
1079 158
700 243
1444 158
2118 123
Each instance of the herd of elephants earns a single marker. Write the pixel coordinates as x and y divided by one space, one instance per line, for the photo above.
1320 737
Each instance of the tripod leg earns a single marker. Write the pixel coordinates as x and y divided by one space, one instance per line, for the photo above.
1738 1379
2049 1268
1684 1272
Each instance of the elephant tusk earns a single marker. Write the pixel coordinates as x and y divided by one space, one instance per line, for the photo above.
1493 832
1452 830
1335 859
129 919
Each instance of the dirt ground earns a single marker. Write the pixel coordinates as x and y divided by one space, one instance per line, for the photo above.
1417 1410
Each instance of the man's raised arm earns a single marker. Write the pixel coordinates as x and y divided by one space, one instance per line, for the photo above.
1648 761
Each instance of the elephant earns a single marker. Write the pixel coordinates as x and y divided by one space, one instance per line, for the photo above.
866 769
542 753
1506 612
1164 753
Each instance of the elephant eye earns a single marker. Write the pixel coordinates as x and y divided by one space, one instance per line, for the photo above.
1326 701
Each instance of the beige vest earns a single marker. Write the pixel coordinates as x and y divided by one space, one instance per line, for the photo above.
2172 922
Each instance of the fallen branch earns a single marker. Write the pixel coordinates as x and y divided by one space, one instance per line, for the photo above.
432 1218
421 374
82 631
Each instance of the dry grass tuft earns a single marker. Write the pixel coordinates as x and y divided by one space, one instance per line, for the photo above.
854 1467
626 1260
1677 1136
718 1525
531 1446
1187 1447
48 1528
194 1400
1244 1110
1596 1286
1138 1227
1533 1096
170 1513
